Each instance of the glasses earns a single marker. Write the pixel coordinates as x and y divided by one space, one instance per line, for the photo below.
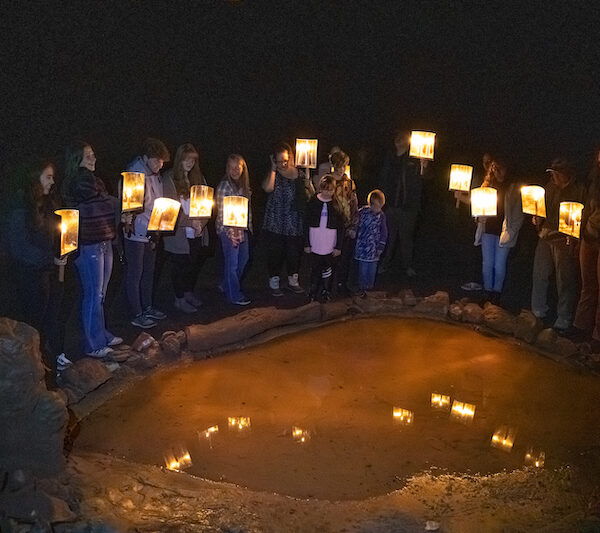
282 161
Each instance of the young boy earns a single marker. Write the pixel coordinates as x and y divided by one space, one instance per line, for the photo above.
324 234
371 236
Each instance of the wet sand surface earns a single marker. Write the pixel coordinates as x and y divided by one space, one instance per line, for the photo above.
341 383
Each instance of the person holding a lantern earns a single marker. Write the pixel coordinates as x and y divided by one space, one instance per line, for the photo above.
289 191
401 180
346 201
498 234
325 167
554 253
31 233
84 191
140 250
188 247
587 316
235 239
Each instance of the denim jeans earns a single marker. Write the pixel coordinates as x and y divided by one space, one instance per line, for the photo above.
94 264
494 262
366 274
141 259
235 259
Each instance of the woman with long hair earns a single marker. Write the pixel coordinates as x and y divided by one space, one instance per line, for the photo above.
32 234
188 247
234 241
283 227
84 191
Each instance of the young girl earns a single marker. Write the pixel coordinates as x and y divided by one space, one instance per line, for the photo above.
371 237
188 247
234 241
324 235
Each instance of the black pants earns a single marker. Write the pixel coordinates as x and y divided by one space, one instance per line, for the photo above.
345 264
41 294
186 267
321 273
283 249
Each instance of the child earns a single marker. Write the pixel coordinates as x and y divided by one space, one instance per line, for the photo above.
324 233
371 237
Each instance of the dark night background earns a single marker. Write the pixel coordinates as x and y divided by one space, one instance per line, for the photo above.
517 78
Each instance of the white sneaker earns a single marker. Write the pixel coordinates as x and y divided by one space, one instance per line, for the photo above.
115 341
184 306
101 353
62 362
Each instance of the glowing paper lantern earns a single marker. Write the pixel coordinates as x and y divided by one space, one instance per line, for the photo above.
238 423
504 438
306 153
533 199
463 412
348 172
569 218
460 177
178 461
164 215
484 202
201 201
235 211
133 191
69 230
440 401
171 463
535 458
300 435
402 416
422 144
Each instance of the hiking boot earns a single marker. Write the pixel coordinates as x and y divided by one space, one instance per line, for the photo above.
293 284
142 321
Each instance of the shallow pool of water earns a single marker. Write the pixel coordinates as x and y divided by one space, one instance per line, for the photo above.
345 411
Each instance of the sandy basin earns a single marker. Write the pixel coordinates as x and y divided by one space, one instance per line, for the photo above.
340 383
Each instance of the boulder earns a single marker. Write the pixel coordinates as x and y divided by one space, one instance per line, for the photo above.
550 341
86 375
143 341
436 304
181 337
528 326
170 346
33 418
246 325
333 310
472 313
499 319
455 311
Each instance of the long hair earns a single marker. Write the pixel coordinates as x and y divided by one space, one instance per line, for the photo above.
194 177
38 205
285 147
73 158
244 181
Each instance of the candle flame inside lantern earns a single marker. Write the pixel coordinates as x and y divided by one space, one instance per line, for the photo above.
300 435
201 201
533 199
209 432
164 215
535 458
348 172
463 411
235 211
569 218
460 177
422 144
238 423
178 461
484 201
504 438
133 191
69 230
440 401
402 416
306 153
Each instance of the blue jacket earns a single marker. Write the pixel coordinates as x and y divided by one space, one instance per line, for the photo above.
371 235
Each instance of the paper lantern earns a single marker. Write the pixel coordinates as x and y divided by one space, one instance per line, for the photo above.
503 438
300 435
402 416
569 218
235 211
533 199
440 401
133 191
535 458
69 230
306 153
177 462
201 201
463 412
164 215
238 423
348 172
422 144
484 202
460 177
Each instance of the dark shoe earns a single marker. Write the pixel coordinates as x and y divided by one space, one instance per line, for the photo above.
578 335
155 314
144 322
276 292
242 301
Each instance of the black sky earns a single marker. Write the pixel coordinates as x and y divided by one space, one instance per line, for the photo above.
522 78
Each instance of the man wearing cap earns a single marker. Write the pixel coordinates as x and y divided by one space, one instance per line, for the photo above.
553 253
